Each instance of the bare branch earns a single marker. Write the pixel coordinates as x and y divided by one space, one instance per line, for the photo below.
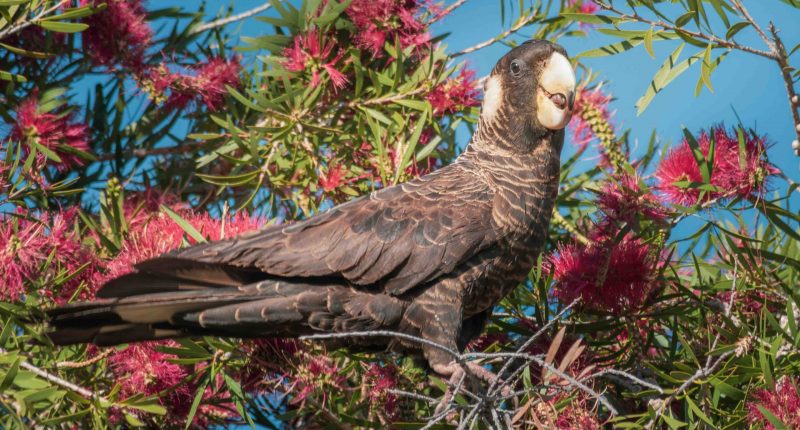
233 18
57 380
522 23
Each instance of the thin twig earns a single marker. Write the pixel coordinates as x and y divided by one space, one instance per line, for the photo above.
746 15
233 18
627 375
57 380
383 333
16 28
701 372
79 364
447 11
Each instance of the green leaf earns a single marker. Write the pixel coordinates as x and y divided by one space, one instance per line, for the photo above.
25 52
699 158
62 27
198 397
590 18
6 76
8 379
735 28
648 42
73 13
775 421
670 70
412 144
187 228
706 68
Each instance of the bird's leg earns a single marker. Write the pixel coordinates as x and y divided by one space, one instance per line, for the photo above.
458 372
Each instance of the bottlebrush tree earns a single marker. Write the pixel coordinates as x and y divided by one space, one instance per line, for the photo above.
130 131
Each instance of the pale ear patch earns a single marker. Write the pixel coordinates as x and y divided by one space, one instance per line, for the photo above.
492 97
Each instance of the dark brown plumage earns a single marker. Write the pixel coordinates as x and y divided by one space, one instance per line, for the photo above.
429 258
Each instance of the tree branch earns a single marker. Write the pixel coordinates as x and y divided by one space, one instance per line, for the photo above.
707 37
16 28
783 63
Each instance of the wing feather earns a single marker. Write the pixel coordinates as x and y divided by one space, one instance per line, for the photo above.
398 238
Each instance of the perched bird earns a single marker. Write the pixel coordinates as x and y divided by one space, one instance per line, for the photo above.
429 258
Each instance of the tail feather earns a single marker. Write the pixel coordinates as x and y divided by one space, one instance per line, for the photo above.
159 308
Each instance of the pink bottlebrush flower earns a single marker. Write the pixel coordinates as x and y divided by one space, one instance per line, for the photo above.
266 357
307 52
26 244
592 117
140 207
588 7
783 402
204 83
212 78
50 130
318 373
142 369
333 179
118 35
576 416
610 277
733 176
623 200
381 21
484 341
161 234
380 379
455 94
5 179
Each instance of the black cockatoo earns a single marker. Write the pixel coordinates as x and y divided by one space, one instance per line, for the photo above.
430 257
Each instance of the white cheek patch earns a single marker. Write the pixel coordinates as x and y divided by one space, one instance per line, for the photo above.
492 97
557 77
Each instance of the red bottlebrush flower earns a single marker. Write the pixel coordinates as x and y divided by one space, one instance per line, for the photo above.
50 130
624 200
333 179
118 35
26 244
783 402
733 176
379 21
455 94
611 277
379 380
592 117
307 52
